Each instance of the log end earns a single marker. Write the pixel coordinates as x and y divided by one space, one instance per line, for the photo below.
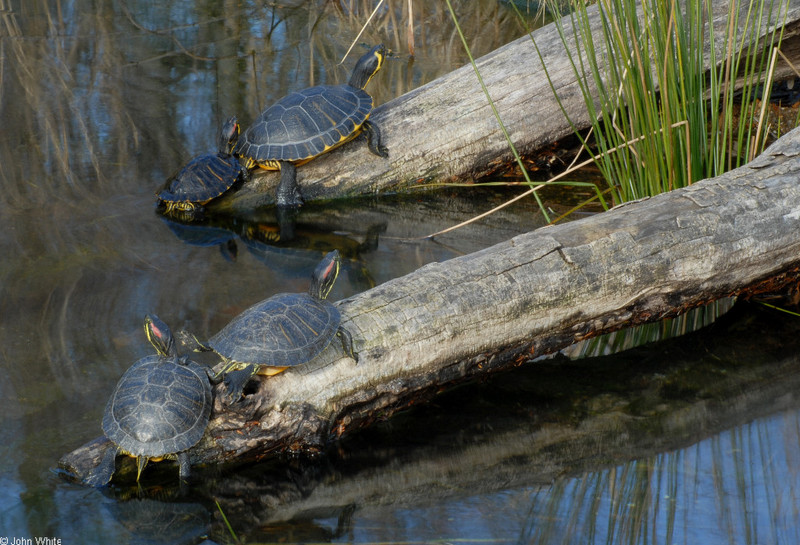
80 464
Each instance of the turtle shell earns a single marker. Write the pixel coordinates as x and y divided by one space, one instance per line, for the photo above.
160 406
306 123
285 330
202 179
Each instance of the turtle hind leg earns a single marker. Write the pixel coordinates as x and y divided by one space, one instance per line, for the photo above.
101 474
288 193
235 381
185 468
374 139
347 343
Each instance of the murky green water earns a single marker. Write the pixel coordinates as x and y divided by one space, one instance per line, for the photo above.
693 440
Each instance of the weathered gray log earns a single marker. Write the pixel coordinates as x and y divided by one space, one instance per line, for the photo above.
617 410
446 131
519 299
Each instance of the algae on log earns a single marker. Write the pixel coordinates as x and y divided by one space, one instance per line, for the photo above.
522 298
446 131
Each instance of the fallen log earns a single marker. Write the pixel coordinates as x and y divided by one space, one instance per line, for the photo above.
445 131
529 296
533 426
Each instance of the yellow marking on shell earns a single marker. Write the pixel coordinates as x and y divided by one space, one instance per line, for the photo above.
211 170
332 121
310 328
285 335
342 140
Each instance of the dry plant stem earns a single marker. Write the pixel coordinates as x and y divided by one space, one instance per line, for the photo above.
764 103
410 28
360 32
789 63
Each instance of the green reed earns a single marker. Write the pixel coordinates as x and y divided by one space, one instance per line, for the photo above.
662 100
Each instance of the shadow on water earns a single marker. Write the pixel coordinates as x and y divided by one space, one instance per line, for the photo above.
689 440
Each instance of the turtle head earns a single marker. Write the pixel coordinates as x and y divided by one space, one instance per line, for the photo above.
325 275
228 136
159 335
367 66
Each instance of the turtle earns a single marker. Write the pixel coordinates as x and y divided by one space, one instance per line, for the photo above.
159 408
307 123
283 331
204 178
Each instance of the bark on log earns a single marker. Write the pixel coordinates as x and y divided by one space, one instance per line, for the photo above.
446 131
522 298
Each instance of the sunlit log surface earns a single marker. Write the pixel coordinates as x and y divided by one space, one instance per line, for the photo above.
445 131
531 295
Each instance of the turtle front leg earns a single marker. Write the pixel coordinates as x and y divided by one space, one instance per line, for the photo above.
374 139
288 193
191 342
347 343
235 381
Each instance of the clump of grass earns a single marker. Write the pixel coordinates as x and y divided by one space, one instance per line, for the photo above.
665 112
666 108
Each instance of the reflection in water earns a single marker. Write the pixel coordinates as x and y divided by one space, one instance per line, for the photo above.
102 101
708 493
625 339
167 522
